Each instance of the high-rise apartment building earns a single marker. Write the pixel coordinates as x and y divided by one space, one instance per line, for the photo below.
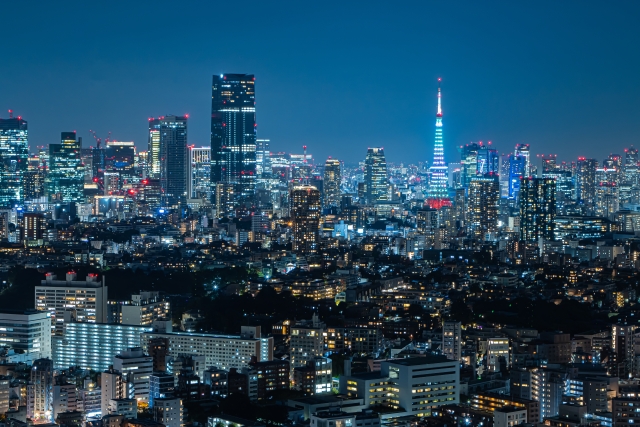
172 157
233 135
331 184
307 342
40 392
452 340
537 208
199 175
14 153
305 216
376 182
153 148
64 181
72 300
93 345
623 345
482 215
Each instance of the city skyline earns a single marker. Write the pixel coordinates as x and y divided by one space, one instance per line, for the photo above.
548 105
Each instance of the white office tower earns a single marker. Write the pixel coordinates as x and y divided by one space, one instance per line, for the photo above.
24 332
70 300
168 411
452 340
136 367
40 392
113 387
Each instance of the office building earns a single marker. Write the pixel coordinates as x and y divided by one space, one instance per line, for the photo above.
93 345
33 184
517 170
482 214
452 340
522 150
153 148
233 135
413 386
222 351
40 392
199 175
468 163
438 194
64 181
120 158
72 300
331 183
27 332
34 226
136 367
14 153
263 158
537 208
305 218
376 185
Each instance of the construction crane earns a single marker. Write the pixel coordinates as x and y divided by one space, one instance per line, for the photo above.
99 140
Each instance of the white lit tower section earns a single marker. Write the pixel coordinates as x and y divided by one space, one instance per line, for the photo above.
522 150
438 195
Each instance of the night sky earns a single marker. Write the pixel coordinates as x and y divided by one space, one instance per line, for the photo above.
337 76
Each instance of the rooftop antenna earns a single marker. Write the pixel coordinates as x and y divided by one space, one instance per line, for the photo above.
11 114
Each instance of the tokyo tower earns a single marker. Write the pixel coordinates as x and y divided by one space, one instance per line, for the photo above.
438 196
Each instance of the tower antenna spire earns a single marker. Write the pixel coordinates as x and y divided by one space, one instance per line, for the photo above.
439 113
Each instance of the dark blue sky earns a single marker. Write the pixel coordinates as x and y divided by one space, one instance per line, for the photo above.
336 76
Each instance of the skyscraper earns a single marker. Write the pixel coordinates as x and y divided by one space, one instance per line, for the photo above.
233 135
537 208
376 185
172 158
153 156
199 185
484 193
469 163
305 216
65 179
14 155
522 150
517 169
263 158
586 183
438 195
332 179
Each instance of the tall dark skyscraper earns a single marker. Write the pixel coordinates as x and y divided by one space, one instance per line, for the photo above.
233 135
537 208
331 185
173 159
305 216
14 155
376 185
65 178
586 183
484 193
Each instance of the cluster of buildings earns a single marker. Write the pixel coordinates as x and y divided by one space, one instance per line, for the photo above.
401 260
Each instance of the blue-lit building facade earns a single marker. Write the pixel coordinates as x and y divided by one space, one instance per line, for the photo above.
14 154
233 135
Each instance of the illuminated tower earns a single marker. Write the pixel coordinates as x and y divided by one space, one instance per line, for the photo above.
14 152
438 196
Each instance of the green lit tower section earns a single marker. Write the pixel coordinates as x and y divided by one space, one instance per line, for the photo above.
14 155
438 196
